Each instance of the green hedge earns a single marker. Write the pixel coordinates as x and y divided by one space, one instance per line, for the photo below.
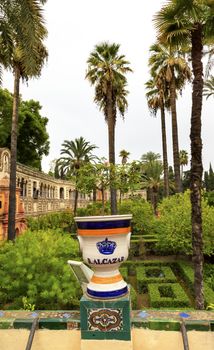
143 220
133 295
35 267
143 278
137 248
174 229
124 272
132 264
167 295
63 220
187 274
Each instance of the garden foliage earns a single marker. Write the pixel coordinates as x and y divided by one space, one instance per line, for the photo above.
186 272
174 226
143 218
167 295
35 268
63 220
153 274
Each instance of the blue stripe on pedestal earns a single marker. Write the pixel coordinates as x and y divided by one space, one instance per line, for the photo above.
108 294
96 225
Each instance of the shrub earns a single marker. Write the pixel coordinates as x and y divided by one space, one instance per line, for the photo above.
187 274
133 295
153 274
63 220
35 267
174 226
94 209
124 272
209 275
167 295
143 218
133 264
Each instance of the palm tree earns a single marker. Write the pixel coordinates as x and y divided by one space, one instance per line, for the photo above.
150 157
106 70
183 155
23 52
124 155
74 155
191 22
174 69
152 179
155 99
209 87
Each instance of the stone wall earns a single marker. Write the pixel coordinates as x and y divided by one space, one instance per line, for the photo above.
39 192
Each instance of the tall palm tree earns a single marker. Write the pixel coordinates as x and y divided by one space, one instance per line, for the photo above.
74 155
124 155
106 71
183 155
172 66
152 179
155 99
209 87
191 22
21 51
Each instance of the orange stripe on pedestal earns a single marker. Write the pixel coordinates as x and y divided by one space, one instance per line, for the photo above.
106 280
104 232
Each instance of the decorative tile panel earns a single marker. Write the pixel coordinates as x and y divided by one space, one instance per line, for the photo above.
105 320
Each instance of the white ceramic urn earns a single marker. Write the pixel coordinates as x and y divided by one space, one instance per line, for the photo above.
104 243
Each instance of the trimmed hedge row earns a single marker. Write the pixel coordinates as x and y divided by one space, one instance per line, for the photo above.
132 264
146 275
167 295
124 272
133 295
187 274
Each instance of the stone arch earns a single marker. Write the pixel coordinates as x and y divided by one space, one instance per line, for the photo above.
61 193
70 194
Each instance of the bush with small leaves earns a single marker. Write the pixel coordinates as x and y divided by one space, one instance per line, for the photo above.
35 267
143 220
174 226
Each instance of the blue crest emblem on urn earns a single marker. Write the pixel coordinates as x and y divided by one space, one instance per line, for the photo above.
106 247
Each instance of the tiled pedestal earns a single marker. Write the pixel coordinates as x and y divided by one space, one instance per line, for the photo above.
105 320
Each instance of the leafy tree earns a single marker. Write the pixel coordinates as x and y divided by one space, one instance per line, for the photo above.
191 22
174 226
175 70
143 221
106 71
74 155
128 178
95 177
32 140
22 51
156 101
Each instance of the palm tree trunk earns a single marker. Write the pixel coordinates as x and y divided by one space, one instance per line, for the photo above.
76 201
13 159
176 160
164 147
103 201
196 164
111 144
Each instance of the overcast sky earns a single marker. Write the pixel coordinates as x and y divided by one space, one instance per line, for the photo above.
75 27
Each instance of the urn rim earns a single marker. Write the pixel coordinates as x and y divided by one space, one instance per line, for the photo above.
103 218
